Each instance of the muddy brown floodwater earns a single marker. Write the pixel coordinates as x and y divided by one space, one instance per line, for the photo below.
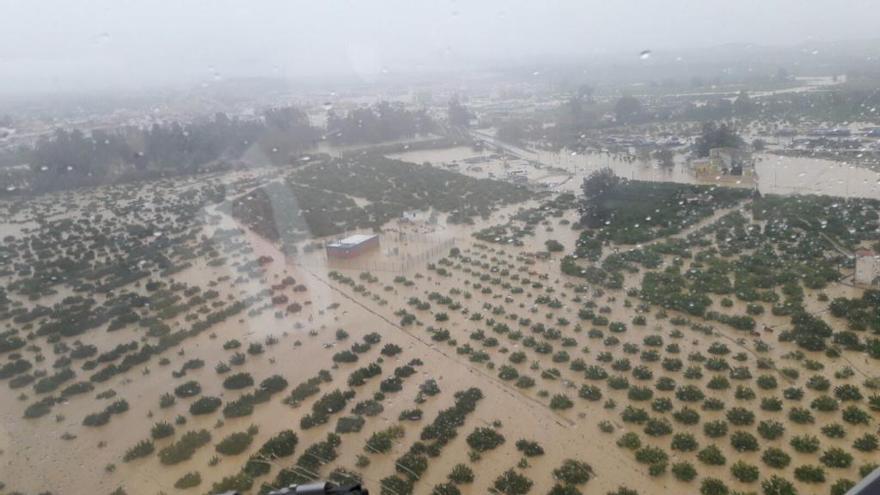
36 459
565 171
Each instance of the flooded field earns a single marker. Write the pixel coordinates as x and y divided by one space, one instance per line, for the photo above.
565 171
495 311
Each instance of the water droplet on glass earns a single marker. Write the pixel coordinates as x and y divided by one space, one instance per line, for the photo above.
645 55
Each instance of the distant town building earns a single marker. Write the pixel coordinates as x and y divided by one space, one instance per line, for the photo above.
867 267
786 132
832 132
352 246
518 176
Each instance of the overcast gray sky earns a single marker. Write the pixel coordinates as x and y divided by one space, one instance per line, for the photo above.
91 44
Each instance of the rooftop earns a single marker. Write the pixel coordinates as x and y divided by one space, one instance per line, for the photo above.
352 240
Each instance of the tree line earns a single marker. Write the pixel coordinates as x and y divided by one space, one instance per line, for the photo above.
580 115
69 158
383 122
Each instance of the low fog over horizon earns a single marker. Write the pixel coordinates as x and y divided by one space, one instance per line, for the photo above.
56 46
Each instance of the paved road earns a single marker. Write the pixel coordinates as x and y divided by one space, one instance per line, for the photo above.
513 150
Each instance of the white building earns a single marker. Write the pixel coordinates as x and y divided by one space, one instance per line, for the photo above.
352 246
867 267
